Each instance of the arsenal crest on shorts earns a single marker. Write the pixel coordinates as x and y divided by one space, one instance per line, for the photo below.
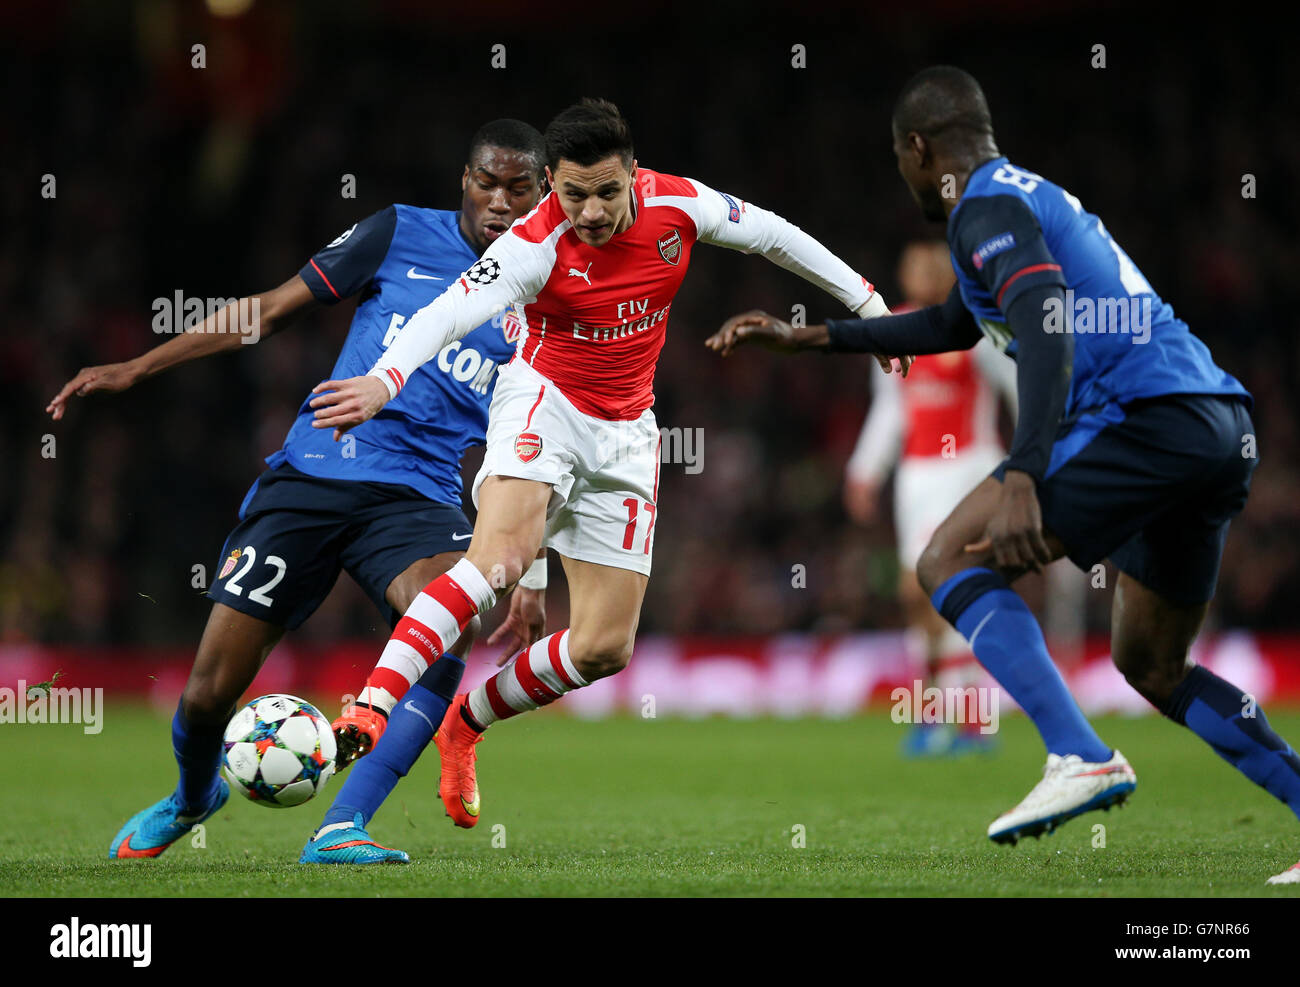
527 446
670 247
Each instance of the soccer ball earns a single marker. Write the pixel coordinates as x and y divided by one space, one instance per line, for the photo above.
279 751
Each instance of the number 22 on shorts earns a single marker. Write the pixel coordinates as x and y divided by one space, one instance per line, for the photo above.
258 595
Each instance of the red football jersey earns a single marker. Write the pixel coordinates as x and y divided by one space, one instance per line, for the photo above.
947 406
944 396
594 318
599 322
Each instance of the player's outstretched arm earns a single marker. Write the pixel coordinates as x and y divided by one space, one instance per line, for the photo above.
726 221
777 334
933 329
243 321
510 270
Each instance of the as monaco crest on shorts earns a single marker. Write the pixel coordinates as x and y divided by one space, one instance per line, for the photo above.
229 567
670 247
528 446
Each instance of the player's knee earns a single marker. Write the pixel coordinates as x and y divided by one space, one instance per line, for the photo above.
934 565
502 568
1153 676
599 657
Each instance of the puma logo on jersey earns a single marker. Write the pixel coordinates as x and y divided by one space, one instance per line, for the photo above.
575 273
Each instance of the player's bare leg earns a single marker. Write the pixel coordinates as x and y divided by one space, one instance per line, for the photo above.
233 648
1151 638
360 726
972 592
948 554
604 610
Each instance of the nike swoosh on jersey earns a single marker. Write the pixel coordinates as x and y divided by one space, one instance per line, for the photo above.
462 537
412 273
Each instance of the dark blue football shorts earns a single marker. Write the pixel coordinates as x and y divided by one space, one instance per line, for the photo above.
1152 486
296 532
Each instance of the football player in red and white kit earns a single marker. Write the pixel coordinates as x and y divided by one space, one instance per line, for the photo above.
572 455
940 427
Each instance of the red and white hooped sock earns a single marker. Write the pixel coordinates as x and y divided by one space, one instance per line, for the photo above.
536 677
430 626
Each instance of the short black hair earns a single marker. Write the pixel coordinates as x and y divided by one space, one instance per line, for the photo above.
942 98
513 135
588 131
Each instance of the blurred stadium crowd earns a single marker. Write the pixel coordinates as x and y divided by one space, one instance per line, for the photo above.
221 181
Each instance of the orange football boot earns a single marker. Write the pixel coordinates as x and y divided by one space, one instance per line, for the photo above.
458 787
356 732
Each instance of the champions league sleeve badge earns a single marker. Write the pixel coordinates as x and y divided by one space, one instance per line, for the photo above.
484 272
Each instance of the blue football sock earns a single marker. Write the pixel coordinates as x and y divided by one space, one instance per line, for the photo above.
411 725
1229 721
198 752
1009 643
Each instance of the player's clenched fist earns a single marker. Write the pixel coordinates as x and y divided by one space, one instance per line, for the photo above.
344 404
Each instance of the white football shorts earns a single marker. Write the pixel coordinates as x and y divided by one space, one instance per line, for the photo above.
604 475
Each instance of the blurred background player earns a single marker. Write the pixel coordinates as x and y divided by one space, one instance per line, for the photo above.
385 507
940 426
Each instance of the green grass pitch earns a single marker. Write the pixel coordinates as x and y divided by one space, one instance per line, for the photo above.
664 807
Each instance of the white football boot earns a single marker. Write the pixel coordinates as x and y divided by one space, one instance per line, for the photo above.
1289 876
1070 786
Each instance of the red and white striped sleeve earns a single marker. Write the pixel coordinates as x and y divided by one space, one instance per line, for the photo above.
727 221
514 268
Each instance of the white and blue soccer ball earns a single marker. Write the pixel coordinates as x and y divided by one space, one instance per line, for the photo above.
279 751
